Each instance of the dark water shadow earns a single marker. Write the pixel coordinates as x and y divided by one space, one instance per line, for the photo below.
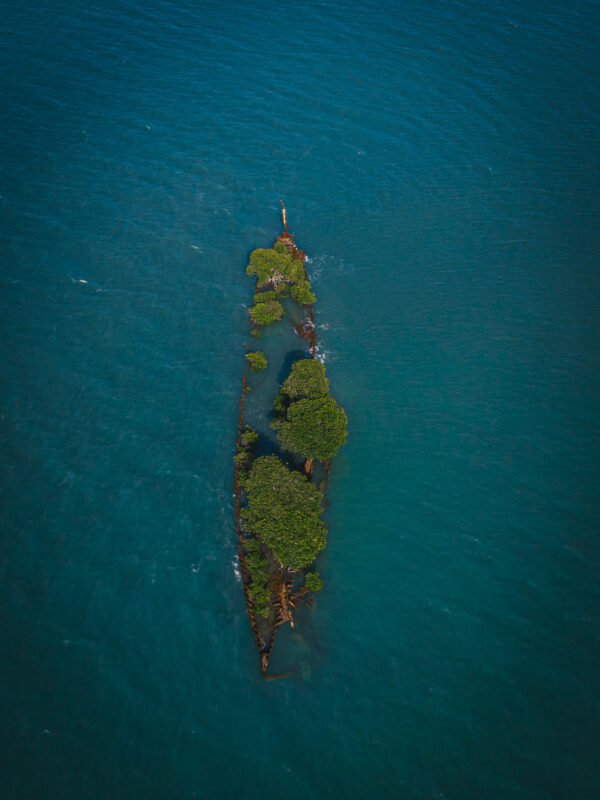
268 445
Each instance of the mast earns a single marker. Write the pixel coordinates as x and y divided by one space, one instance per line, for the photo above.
284 215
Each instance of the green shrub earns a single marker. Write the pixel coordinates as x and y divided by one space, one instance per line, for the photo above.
257 567
243 460
266 313
261 597
272 266
306 379
256 361
255 332
280 247
279 405
245 455
302 294
307 419
313 428
313 582
284 512
263 297
249 437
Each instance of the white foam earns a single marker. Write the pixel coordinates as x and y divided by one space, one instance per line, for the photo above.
321 355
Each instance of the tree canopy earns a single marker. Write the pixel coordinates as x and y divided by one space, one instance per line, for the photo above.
264 296
256 361
302 294
258 571
313 428
273 266
266 313
306 379
307 419
249 437
313 582
284 511
245 450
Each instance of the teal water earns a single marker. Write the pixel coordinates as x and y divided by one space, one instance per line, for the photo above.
439 163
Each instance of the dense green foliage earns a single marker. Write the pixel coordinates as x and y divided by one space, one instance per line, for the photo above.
245 452
302 294
258 570
284 512
306 379
249 437
283 274
307 419
272 266
266 313
313 428
313 582
263 297
256 361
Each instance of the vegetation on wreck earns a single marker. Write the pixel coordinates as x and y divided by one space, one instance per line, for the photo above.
245 451
312 428
307 419
256 361
302 294
257 567
266 313
272 266
284 512
306 379
266 296
313 582
278 508
279 274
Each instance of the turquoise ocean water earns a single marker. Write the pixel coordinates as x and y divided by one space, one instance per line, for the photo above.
439 162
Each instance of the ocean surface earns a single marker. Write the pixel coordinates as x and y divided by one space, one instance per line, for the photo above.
439 163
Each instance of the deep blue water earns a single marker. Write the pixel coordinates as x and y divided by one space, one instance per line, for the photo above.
439 162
